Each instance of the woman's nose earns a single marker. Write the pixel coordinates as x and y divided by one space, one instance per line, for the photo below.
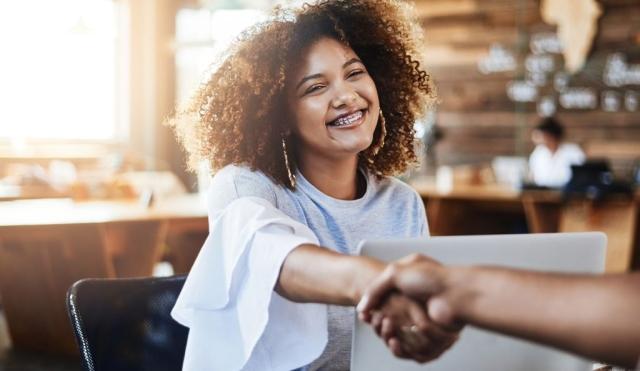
345 97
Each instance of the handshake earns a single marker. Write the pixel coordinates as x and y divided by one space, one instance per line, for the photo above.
419 307
410 306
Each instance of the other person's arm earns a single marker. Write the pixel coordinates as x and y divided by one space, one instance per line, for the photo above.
595 316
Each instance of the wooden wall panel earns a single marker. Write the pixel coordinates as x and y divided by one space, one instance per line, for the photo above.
477 118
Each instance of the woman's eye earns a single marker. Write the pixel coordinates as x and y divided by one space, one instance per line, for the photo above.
313 88
355 73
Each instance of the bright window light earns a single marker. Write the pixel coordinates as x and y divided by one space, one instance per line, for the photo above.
58 70
201 36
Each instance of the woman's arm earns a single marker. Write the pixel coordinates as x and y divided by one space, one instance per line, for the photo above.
314 274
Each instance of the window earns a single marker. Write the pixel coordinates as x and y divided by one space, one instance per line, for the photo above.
59 71
201 35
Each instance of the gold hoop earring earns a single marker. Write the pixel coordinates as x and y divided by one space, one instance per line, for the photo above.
292 176
383 134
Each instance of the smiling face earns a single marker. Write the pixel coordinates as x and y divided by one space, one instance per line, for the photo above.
333 102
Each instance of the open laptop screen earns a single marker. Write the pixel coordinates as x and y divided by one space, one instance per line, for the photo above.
477 349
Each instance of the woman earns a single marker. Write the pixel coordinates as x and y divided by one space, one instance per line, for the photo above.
305 121
551 160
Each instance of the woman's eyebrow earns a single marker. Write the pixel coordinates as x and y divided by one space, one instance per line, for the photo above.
307 78
350 62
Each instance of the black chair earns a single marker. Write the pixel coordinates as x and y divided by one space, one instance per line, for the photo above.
125 324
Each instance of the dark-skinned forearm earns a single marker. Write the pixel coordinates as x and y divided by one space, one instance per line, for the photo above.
315 274
593 316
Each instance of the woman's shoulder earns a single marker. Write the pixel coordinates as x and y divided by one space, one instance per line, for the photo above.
233 173
404 203
397 188
237 181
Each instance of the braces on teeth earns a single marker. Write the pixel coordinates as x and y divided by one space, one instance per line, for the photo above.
348 120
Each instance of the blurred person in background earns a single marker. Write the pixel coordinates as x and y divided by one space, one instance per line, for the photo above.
551 160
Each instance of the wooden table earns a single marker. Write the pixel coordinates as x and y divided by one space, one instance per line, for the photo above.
494 208
46 245
13 192
469 209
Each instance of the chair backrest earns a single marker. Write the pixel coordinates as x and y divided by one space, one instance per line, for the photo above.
125 324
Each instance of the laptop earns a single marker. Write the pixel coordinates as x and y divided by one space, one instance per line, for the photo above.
477 349
595 180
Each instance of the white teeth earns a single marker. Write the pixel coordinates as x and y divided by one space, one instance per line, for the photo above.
347 120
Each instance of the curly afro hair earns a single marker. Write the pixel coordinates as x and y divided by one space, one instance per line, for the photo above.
239 115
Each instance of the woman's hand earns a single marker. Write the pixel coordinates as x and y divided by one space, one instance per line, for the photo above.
406 329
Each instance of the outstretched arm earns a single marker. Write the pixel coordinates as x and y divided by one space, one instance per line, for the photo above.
595 316
315 274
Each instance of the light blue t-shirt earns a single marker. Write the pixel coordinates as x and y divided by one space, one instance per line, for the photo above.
388 209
